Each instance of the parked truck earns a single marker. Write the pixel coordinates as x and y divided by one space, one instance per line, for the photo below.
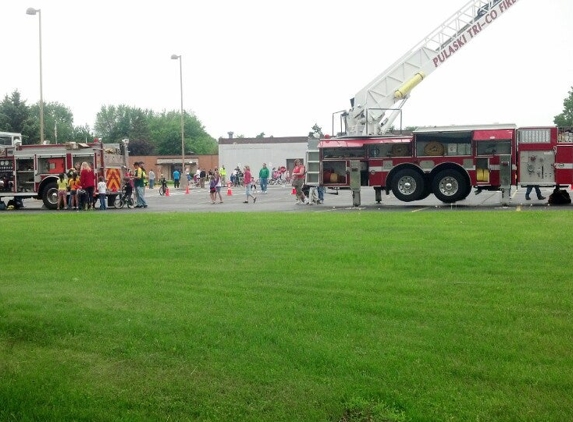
31 171
447 162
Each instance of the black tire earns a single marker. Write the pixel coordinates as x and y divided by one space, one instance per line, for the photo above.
450 186
408 185
468 191
50 196
427 191
118 203
161 190
129 202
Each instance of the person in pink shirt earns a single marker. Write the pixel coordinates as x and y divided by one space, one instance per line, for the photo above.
298 174
247 180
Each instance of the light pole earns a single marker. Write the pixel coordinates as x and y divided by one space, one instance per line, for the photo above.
32 11
176 57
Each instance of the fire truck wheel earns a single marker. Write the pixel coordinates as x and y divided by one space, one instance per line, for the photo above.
450 186
427 191
408 185
50 196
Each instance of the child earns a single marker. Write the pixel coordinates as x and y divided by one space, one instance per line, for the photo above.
74 182
213 189
218 178
102 193
62 191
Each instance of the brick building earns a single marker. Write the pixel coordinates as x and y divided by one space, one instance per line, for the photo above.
167 164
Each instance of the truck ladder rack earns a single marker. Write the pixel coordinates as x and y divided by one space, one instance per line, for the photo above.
392 88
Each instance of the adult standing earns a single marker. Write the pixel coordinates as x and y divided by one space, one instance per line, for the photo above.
298 180
139 183
320 191
264 178
235 177
196 176
223 174
151 177
202 176
537 191
87 182
247 179
176 177
143 176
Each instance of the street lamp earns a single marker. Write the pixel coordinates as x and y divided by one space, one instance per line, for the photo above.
176 57
32 11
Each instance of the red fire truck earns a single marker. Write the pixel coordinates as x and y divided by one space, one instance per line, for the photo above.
445 161
449 161
31 171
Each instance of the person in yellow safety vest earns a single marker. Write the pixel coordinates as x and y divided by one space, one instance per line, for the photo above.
139 182
223 174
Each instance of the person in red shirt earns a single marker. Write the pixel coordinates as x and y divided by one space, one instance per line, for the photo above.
247 180
298 174
87 182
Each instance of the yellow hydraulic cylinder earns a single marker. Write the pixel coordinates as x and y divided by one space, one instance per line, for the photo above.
408 85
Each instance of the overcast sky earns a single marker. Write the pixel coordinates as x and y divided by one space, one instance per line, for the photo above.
278 66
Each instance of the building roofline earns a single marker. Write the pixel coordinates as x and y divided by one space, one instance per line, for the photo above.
269 140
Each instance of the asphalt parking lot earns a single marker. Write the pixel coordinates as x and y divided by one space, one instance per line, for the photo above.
280 198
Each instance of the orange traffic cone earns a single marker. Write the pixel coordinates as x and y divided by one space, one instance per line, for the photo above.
229 191
166 191
187 190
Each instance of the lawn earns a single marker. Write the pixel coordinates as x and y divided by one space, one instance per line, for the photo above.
457 316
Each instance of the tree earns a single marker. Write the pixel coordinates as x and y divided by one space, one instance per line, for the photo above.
58 122
113 123
81 134
15 117
153 133
566 118
260 135
166 133
149 132
141 147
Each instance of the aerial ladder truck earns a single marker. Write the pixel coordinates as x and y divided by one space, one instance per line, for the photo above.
363 140
375 107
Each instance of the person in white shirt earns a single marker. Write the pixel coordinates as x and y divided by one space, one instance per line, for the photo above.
219 178
102 193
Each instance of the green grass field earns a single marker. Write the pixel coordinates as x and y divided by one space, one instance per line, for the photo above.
439 316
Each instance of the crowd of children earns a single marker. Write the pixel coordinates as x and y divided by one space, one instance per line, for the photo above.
76 188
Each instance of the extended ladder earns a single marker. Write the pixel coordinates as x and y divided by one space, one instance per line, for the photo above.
388 92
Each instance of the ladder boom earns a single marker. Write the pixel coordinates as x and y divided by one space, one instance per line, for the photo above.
391 89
